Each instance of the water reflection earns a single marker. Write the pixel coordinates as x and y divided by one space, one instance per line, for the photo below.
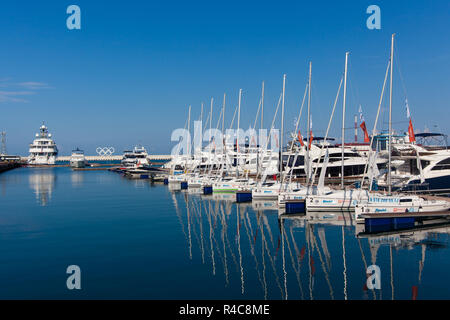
262 254
42 182
77 178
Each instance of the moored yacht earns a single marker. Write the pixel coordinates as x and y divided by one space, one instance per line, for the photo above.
77 159
43 150
399 204
135 159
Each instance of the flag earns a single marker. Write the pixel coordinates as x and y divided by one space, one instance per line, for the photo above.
412 137
300 138
364 129
363 125
310 132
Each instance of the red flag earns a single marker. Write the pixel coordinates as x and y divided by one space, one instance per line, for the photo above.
412 137
300 138
310 139
364 129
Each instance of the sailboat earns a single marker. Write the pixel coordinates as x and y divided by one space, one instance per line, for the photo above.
396 203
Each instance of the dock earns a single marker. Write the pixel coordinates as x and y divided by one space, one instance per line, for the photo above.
154 157
8 165
388 215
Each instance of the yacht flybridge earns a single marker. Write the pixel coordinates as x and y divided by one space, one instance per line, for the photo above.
43 150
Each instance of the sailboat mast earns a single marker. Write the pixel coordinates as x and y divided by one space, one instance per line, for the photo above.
390 116
238 130
343 119
262 104
223 133
282 129
223 114
308 124
189 130
261 127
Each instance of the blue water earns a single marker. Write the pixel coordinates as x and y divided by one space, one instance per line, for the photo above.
134 239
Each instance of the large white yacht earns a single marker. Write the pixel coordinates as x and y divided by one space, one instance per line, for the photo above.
135 159
43 150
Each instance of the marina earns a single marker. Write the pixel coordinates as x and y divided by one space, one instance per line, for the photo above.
276 153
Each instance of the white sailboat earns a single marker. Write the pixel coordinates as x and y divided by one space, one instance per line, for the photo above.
397 203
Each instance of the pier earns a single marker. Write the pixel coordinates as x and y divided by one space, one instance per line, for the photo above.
8 165
109 158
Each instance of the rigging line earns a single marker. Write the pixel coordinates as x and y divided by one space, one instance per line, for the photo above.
189 227
249 231
261 228
324 269
234 115
345 264
271 127
277 279
225 265
200 221
296 135
257 114
296 270
400 72
284 261
314 96
356 99
178 213
208 214
227 240
195 216
328 129
216 242
299 262
308 241
238 221
375 123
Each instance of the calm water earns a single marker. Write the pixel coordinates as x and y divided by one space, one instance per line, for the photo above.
133 239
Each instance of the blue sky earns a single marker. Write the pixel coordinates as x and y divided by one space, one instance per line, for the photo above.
129 74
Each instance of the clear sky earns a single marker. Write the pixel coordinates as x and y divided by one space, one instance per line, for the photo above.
129 74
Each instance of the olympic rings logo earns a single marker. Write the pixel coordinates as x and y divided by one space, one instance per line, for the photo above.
105 151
